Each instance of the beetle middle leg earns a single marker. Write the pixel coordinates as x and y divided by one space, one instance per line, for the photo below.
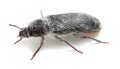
41 44
68 44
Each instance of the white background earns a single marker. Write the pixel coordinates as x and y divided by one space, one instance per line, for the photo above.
55 54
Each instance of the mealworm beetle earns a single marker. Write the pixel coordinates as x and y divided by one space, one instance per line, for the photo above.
60 24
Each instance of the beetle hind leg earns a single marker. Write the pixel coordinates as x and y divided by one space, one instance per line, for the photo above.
85 35
93 39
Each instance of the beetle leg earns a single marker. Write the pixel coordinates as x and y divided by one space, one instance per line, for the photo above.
93 39
85 36
41 44
68 44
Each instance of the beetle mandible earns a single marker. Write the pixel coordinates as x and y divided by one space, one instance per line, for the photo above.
61 24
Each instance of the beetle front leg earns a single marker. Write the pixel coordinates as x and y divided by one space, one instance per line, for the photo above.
41 44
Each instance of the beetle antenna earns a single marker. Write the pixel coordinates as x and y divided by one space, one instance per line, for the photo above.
14 26
41 13
18 40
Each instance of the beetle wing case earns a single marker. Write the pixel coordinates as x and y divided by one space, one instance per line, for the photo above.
73 22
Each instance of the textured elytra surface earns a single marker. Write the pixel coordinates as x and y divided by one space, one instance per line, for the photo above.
73 22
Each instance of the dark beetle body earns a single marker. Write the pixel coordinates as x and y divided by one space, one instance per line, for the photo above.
62 24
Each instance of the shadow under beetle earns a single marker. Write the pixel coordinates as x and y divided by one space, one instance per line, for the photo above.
61 24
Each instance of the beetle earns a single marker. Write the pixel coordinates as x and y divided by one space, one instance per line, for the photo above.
60 24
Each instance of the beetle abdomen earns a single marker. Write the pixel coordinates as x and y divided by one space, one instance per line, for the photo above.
73 22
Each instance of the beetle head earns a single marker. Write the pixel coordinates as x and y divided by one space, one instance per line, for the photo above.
22 33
